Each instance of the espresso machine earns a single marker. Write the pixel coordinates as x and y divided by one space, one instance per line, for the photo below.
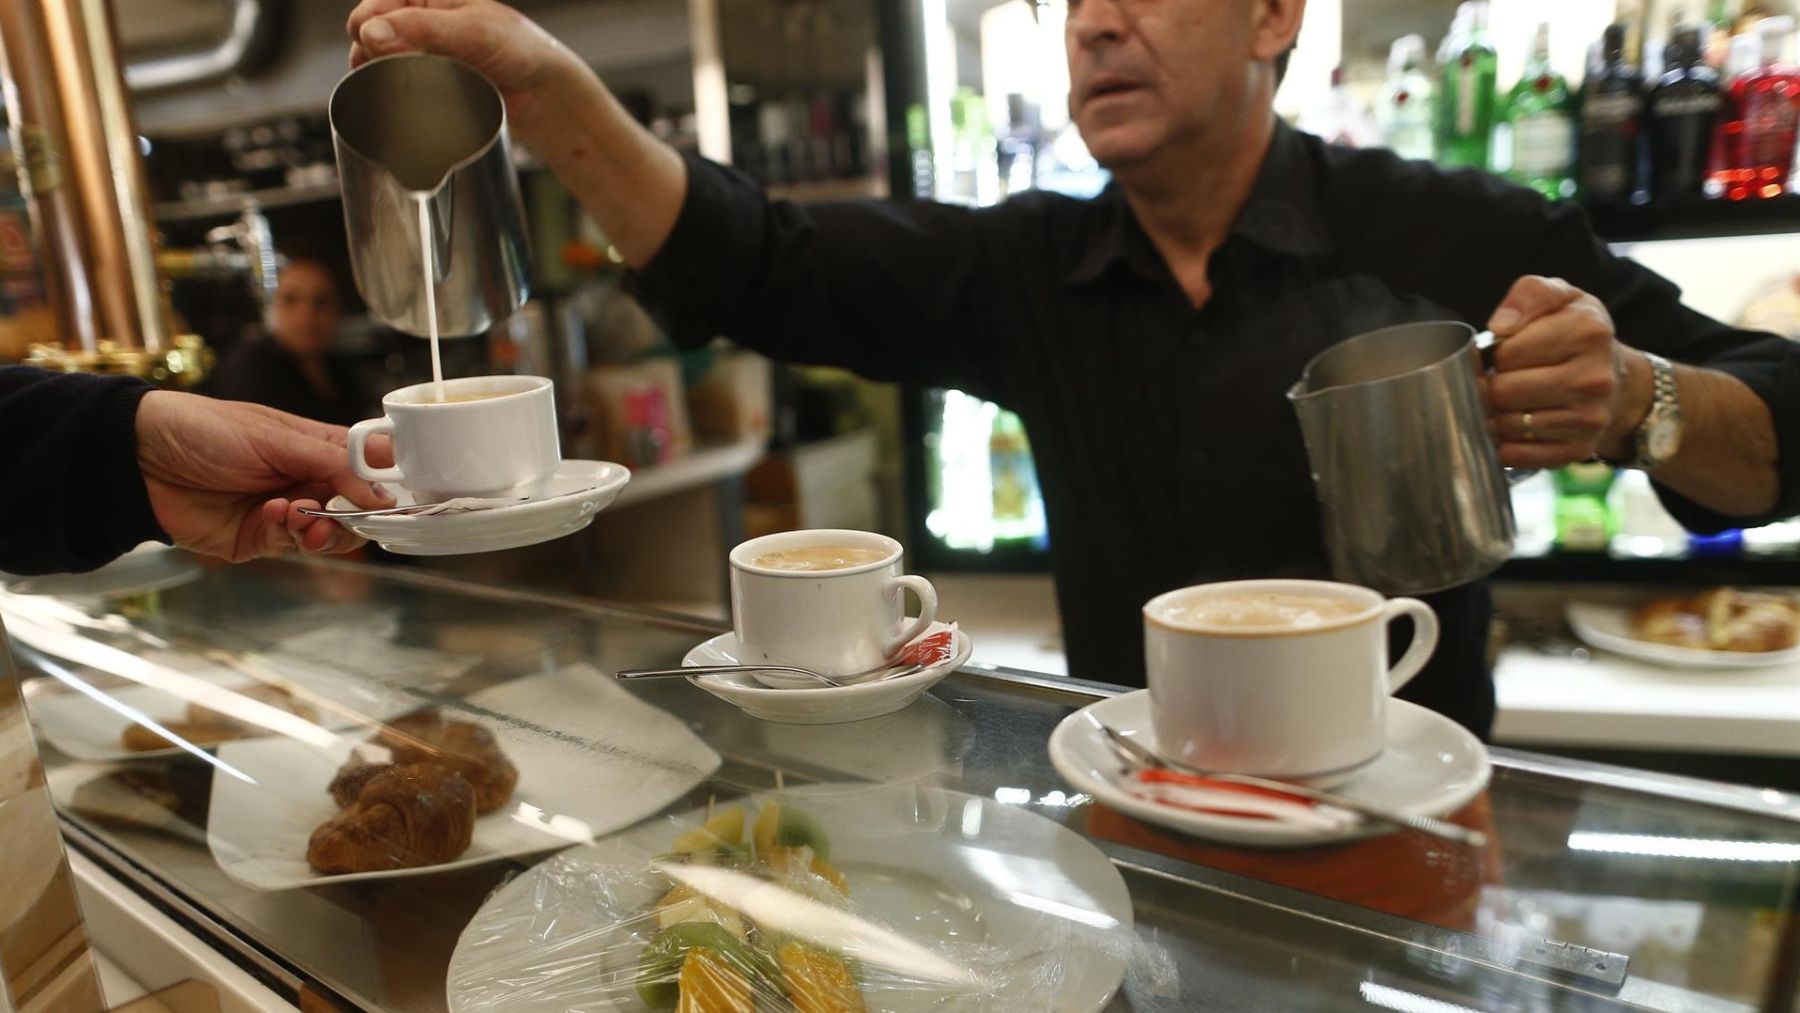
104 304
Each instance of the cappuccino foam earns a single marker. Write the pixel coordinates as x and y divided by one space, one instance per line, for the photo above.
1268 610
819 557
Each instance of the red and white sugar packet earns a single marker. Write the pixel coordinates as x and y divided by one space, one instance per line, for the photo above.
930 649
1215 797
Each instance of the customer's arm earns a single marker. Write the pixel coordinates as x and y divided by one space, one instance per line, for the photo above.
91 466
70 495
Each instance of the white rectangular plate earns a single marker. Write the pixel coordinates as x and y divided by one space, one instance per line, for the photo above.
592 758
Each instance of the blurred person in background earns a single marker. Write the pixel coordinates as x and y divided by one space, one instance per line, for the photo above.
291 369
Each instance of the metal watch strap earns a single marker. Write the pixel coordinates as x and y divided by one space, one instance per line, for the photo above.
1663 394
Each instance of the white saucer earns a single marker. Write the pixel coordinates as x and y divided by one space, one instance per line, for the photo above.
825 705
1432 766
578 491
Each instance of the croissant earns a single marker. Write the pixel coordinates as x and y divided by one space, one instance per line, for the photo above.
406 816
274 696
1722 619
467 748
141 738
352 778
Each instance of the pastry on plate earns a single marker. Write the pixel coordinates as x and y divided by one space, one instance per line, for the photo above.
463 746
406 816
275 696
1722 619
143 739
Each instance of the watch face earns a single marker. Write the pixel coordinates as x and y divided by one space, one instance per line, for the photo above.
1662 437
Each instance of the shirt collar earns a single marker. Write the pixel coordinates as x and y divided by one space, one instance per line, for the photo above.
1281 215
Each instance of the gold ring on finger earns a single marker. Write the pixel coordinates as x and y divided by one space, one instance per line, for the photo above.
1530 433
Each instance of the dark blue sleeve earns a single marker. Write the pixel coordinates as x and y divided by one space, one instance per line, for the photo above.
71 495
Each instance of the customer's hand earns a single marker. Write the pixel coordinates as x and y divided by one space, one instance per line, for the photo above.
227 478
1564 389
536 74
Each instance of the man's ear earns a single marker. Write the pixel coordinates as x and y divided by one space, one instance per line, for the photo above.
1275 25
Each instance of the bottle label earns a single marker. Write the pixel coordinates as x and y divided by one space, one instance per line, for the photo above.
1465 97
1609 110
1543 145
1770 119
1685 105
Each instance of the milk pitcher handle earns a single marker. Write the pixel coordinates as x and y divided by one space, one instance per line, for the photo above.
1485 343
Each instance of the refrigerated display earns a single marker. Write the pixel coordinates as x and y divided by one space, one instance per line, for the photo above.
986 102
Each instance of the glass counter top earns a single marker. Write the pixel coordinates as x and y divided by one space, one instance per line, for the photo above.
932 854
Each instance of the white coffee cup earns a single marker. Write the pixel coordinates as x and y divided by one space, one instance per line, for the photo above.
1285 700
838 621
503 444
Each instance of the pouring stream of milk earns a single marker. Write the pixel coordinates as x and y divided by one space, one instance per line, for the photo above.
427 261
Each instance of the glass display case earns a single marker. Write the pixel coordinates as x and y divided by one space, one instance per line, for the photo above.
198 739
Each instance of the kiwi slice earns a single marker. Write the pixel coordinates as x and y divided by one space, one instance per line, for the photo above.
797 828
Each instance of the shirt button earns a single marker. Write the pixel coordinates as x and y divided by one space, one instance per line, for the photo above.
1197 458
1196 334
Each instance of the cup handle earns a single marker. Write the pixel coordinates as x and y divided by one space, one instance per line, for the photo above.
1424 641
927 610
359 440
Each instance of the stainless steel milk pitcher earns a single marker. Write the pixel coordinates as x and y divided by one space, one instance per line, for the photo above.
413 128
1413 495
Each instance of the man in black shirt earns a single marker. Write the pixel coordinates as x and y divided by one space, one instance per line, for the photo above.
1147 338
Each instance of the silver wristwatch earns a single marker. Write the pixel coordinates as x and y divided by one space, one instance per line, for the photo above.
1658 437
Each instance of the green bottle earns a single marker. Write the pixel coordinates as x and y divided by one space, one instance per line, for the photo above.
1584 520
1466 100
1534 142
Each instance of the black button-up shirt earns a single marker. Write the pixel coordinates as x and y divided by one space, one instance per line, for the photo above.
1166 449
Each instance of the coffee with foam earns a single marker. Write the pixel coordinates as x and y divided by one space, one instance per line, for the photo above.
1264 611
819 557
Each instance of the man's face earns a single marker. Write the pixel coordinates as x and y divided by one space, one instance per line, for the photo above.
306 309
1147 73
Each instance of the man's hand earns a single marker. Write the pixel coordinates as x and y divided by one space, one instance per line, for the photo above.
537 75
227 478
631 183
1564 389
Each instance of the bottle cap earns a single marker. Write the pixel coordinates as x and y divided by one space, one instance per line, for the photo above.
1612 43
1407 52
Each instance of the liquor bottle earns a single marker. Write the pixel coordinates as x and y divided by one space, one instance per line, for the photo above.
1339 118
1403 109
1612 113
1727 175
1534 142
1758 134
1684 109
1466 100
